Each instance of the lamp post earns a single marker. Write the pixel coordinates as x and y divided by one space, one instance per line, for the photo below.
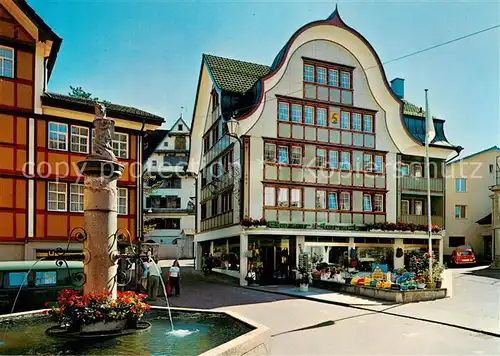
232 129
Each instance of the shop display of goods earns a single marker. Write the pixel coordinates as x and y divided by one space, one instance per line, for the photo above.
386 284
354 280
361 281
373 283
368 280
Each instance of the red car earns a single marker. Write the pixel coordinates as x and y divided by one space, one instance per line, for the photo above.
463 255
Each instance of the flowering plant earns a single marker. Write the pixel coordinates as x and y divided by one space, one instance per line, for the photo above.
73 310
401 226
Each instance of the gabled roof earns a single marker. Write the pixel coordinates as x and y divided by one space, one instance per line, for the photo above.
87 105
182 120
492 148
151 141
46 32
234 76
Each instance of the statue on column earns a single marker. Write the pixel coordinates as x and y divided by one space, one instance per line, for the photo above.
104 132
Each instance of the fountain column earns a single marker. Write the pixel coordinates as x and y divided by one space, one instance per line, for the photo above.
101 171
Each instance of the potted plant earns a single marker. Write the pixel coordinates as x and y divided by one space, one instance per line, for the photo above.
261 223
247 222
437 273
305 266
420 281
97 312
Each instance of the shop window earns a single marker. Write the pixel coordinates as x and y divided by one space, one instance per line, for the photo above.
18 279
45 278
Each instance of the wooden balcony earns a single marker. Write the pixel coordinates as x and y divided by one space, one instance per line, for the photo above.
422 219
419 185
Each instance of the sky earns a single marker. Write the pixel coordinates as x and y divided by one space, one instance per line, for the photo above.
148 53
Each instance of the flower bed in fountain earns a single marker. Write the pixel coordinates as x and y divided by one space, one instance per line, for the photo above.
97 312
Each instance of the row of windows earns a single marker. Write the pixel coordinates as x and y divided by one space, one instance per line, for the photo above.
324 158
166 202
6 62
312 115
226 205
292 197
80 139
165 223
327 76
57 198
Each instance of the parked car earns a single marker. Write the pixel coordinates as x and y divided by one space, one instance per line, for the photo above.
462 255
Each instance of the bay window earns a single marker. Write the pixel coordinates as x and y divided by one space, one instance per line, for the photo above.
321 158
333 77
345 80
356 122
321 117
379 202
270 152
345 120
283 112
332 201
334 159
367 166
345 162
321 75
283 154
379 164
368 123
367 202
269 196
309 115
308 73
296 155
296 113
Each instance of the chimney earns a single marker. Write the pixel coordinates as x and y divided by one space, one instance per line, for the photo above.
398 87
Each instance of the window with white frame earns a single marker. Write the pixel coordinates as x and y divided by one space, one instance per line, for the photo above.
345 201
76 198
368 165
296 198
308 73
282 196
345 160
320 199
460 185
333 159
321 117
122 201
379 202
269 196
321 158
368 123
296 155
461 211
345 80
345 120
6 62
79 139
308 115
379 164
332 201
296 113
418 207
333 77
57 196
58 136
120 145
321 75
283 154
367 202
356 122
270 152
283 112
405 207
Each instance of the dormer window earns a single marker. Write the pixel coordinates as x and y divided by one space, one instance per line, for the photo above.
6 62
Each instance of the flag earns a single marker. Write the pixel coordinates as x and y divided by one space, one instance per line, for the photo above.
430 132
334 117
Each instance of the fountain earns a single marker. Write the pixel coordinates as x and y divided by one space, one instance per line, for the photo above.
198 331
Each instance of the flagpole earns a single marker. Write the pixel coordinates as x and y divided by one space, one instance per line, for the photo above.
428 177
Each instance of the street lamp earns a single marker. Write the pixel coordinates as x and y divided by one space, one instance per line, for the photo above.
232 128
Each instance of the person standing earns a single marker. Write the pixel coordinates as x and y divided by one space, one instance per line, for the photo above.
210 263
144 276
154 275
174 276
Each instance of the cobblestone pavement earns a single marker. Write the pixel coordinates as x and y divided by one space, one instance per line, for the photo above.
305 327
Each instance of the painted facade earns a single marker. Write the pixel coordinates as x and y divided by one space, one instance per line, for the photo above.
328 147
170 208
468 202
43 136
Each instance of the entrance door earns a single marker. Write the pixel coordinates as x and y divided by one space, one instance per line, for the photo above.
488 252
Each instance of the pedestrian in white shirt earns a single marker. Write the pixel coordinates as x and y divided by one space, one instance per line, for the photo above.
174 276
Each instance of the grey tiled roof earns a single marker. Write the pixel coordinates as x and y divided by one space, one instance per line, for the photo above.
235 76
88 106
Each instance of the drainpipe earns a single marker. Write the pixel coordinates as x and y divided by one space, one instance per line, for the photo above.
458 149
141 182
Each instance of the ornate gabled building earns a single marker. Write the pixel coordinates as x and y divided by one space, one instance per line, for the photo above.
169 209
329 148
43 135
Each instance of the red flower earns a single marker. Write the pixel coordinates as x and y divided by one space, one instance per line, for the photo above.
79 305
71 302
47 304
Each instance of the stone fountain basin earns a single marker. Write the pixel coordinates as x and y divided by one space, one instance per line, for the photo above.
251 338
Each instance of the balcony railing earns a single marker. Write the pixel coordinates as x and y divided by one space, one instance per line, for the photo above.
419 184
422 219
219 146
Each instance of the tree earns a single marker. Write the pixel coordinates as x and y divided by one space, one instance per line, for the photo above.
78 92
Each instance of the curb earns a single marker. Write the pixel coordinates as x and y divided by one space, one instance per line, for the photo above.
347 305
